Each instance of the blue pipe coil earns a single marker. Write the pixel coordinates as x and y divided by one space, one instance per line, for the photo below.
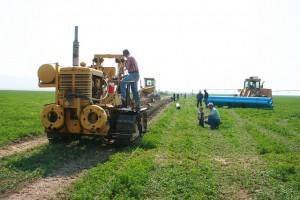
242 102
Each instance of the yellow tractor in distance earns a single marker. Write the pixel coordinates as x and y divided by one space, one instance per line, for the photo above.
88 101
254 88
148 92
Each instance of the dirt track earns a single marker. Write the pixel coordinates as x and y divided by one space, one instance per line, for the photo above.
53 184
22 146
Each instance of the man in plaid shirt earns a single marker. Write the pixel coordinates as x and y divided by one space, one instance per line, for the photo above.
133 70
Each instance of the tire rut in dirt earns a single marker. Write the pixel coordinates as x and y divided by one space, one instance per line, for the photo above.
22 146
55 182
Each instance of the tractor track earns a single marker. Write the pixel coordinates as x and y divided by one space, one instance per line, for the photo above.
49 186
53 185
22 146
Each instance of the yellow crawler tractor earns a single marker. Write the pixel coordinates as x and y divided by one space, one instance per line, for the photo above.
254 88
88 101
148 92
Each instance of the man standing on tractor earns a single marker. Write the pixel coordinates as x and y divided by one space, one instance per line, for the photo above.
132 78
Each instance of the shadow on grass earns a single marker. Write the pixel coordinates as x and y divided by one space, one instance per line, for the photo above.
66 159
148 144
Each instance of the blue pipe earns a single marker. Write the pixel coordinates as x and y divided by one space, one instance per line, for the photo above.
243 102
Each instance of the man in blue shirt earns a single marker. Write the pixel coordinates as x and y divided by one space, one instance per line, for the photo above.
214 119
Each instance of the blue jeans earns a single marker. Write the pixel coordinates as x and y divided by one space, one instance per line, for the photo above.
214 123
199 101
201 122
134 86
206 101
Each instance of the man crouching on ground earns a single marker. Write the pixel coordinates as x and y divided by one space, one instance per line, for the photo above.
213 118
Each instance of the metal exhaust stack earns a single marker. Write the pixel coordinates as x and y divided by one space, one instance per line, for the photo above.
76 49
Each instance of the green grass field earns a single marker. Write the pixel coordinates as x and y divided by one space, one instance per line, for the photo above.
254 154
20 113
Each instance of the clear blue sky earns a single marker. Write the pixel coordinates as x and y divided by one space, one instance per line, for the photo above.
185 45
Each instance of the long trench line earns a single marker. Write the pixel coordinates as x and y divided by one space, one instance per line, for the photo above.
56 182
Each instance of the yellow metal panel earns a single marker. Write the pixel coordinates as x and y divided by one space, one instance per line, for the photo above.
73 82
73 126
109 71
73 69
56 83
